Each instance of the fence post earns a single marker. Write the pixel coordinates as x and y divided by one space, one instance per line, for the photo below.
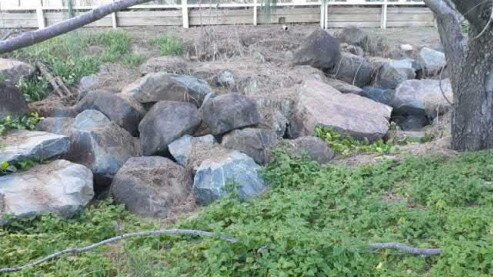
323 12
40 15
114 19
184 11
255 13
383 19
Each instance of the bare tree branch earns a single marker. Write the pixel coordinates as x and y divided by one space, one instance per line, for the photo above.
116 239
477 12
407 249
30 38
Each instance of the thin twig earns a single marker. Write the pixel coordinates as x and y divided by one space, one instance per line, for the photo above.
487 24
441 88
9 33
88 248
56 82
407 249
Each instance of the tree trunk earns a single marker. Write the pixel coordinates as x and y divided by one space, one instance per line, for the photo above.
472 120
30 38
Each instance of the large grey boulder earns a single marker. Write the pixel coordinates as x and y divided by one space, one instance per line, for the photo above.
320 105
256 143
57 125
384 96
167 64
12 103
423 97
343 86
101 145
312 147
164 123
162 86
59 187
431 61
275 114
12 71
354 70
235 170
122 110
227 112
320 50
183 148
32 145
151 186
391 75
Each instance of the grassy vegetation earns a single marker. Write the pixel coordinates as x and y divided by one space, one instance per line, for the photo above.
74 56
315 221
169 46
346 145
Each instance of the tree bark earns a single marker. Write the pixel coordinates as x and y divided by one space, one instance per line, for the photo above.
470 64
30 38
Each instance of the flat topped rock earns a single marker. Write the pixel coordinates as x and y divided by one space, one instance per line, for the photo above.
32 145
320 105
59 187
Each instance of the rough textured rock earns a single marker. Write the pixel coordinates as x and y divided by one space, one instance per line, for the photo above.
176 65
319 50
12 71
90 119
59 187
353 70
228 112
32 145
321 105
423 97
384 96
87 83
161 86
182 148
390 75
57 125
256 143
125 112
431 60
164 123
150 186
343 86
353 36
274 114
103 148
314 148
12 103
233 169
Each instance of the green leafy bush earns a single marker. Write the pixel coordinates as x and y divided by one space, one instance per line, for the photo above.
34 89
7 168
28 122
169 46
346 145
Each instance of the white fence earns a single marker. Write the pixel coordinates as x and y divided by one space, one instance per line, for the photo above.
332 14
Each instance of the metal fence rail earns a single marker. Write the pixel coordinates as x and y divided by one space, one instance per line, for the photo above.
41 13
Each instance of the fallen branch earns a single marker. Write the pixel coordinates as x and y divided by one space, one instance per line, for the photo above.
56 82
116 239
407 249
29 38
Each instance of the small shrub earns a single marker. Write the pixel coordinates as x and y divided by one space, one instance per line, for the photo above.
346 145
34 89
7 168
28 122
133 60
169 46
